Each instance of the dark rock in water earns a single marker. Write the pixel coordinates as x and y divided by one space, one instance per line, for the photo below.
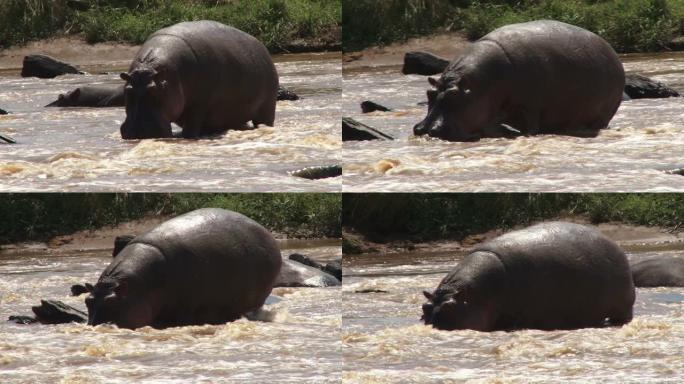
46 67
625 97
422 103
298 257
23 319
369 106
120 242
286 94
334 268
319 172
7 139
423 63
676 171
3 112
641 87
295 274
56 312
661 271
371 291
352 130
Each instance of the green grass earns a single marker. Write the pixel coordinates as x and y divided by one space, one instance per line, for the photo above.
423 217
41 216
629 25
277 23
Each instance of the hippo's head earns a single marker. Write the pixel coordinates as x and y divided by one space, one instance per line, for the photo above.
455 112
449 310
105 302
112 302
145 94
66 99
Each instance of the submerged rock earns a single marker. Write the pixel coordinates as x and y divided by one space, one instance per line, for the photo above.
423 63
641 87
56 312
352 130
286 94
369 106
318 172
295 274
7 139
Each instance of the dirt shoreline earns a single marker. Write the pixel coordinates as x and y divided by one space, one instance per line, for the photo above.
75 50
629 237
448 45
100 239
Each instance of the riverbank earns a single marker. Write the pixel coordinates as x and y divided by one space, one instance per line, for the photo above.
102 239
629 236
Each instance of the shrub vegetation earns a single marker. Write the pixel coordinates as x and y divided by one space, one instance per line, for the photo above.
277 23
423 217
42 216
629 25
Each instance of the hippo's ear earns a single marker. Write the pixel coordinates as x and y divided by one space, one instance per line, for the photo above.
126 77
428 295
60 97
434 82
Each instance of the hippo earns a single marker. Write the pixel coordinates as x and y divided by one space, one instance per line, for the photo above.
204 76
553 275
540 77
664 271
91 97
208 266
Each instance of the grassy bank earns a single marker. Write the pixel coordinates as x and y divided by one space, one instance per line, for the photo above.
282 25
424 217
39 217
629 25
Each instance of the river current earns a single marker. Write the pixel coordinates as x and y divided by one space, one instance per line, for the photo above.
80 149
644 138
385 342
296 341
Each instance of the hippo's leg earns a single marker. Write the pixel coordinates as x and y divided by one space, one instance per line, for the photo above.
192 123
621 317
265 114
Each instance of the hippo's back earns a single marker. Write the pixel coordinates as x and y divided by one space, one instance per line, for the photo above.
562 269
210 252
560 69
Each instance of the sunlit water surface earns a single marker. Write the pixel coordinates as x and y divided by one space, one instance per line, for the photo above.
80 149
385 342
300 343
645 137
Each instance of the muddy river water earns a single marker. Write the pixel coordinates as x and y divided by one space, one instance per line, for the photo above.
645 137
384 341
298 340
80 149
